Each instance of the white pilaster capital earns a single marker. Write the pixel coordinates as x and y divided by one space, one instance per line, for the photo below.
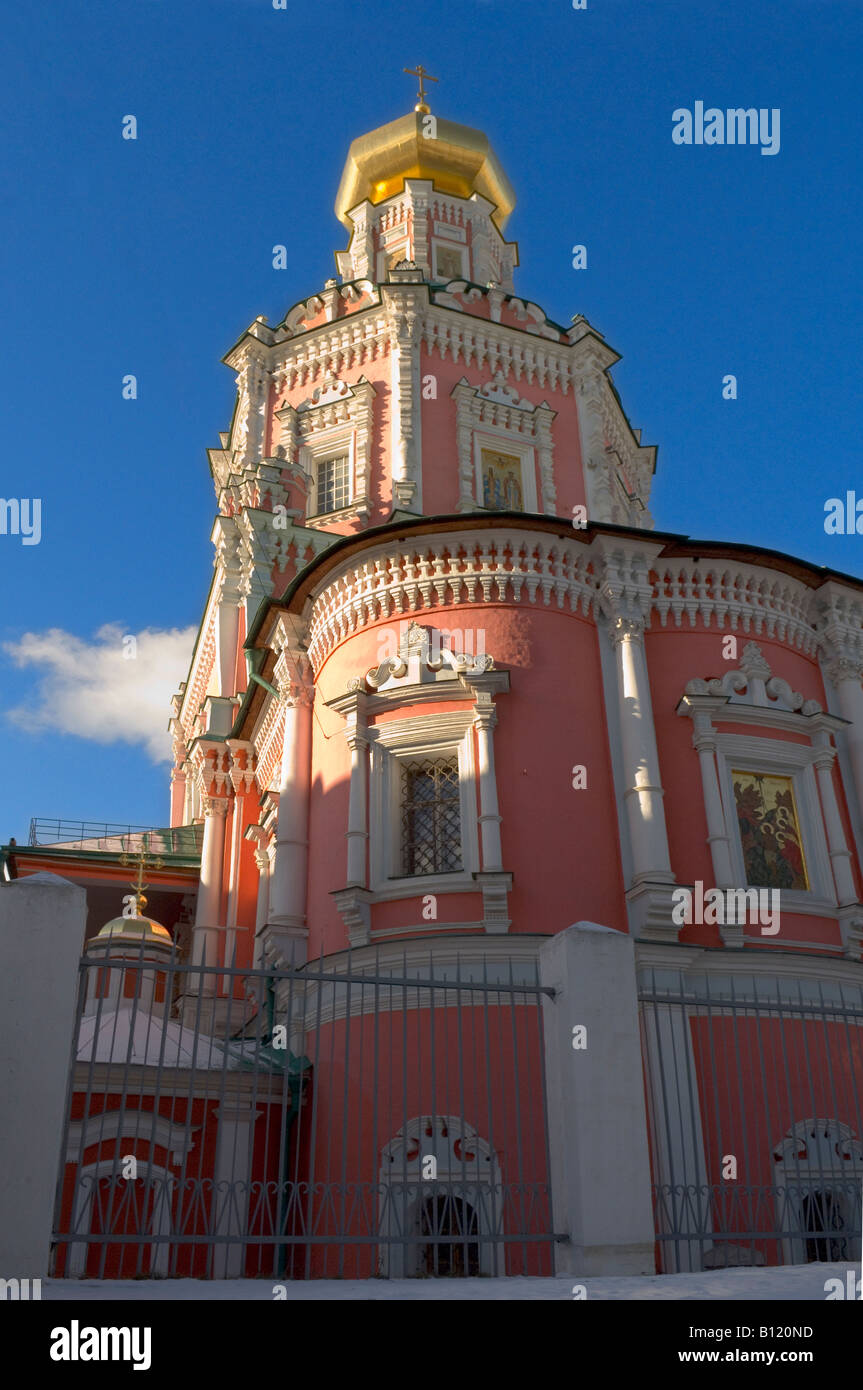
622 630
242 766
839 610
210 760
626 586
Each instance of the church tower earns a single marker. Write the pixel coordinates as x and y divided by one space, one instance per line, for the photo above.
415 390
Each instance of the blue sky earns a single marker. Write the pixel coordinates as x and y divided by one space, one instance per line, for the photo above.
150 257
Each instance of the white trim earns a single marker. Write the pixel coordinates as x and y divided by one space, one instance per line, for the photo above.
140 1125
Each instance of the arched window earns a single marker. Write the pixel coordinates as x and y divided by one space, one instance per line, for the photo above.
107 1204
819 1166
441 1202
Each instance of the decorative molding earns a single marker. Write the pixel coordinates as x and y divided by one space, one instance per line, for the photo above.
737 596
402 577
512 422
375 753
754 684
140 1126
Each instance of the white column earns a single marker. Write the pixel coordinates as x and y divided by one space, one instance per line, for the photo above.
262 906
643 794
704 742
600 1165
840 856
227 638
489 817
357 831
850 694
288 882
205 934
232 1177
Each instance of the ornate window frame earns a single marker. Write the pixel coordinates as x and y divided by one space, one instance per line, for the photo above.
493 415
794 760
333 445
417 676
799 1175
427 735
477 1181
336 419
752 696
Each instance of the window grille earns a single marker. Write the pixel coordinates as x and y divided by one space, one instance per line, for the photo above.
431 817
333 484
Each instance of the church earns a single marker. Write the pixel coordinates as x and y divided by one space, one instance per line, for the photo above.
466 745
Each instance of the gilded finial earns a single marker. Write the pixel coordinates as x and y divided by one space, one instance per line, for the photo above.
143 858
420 72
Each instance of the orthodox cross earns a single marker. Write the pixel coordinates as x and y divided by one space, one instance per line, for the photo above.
420 72
144 860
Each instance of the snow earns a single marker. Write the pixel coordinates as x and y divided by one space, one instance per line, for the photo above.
788 1283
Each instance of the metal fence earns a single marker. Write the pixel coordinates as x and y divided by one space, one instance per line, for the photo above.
110 836
754 1085
358 1116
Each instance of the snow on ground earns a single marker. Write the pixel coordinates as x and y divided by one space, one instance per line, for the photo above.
792 1283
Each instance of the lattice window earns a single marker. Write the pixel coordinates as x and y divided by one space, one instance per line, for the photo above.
431 818
333 484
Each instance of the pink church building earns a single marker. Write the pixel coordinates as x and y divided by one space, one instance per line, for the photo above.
528 930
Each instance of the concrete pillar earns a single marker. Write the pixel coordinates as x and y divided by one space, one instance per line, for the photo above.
600 1167
233 1171
42 925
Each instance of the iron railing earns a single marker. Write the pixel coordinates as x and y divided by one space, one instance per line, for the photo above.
755 1101
362 1115
109 836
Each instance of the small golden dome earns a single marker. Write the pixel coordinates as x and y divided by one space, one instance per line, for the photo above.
134 928
455 158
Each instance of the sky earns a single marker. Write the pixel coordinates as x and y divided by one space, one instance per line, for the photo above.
150 257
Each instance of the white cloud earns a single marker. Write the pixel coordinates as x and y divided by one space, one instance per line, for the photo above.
92 690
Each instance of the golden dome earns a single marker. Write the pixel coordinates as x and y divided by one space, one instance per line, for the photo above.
134 928
457 159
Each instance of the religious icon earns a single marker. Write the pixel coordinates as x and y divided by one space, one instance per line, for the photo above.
769 831
501 481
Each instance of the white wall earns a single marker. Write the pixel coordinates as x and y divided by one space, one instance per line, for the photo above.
42 924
